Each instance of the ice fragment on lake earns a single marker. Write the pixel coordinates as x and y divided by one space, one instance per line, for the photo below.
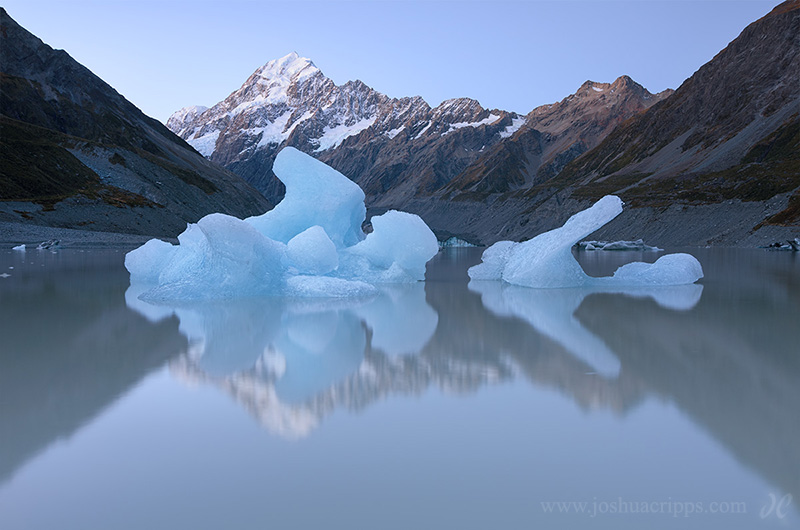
145 263
455 242
326 287
221 256
309 245
493 262
672 269
316 194
395 252
19 247
546 261
638 245
49 244
312 252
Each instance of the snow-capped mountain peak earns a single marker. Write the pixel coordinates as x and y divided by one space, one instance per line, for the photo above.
289 101
179 119
289 68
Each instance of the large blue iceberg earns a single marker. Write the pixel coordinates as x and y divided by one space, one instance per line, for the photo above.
310 245
546 261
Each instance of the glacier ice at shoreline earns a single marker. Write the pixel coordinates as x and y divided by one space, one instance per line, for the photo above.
546 261
637 245
310 245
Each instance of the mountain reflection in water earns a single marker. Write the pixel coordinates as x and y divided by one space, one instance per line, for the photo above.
723 353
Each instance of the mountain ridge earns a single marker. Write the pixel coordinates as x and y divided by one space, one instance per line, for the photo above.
396 149
76 154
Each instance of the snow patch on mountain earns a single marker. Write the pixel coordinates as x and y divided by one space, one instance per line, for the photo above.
179 119
394 132
279 130
333 136
288 68
516 123
206 144
490 119
423 131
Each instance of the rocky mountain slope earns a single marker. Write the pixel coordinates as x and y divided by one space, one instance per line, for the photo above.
75 153
717 162
398 149
379 142
554 135
732 130
714 162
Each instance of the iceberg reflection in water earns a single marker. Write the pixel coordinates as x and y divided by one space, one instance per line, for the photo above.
277 354
552 313
406 403
290 361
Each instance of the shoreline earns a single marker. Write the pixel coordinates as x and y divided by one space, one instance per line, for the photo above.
13 234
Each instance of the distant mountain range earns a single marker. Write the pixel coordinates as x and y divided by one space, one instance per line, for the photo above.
720 153
732 130
398 149
74 153
715 162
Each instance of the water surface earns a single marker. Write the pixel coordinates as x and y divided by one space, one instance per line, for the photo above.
436 405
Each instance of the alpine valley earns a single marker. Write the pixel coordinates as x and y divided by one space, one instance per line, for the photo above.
716 161
76 154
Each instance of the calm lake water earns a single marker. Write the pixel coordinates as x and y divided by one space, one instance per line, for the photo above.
436 405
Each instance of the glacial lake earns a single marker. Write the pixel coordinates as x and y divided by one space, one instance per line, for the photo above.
436 405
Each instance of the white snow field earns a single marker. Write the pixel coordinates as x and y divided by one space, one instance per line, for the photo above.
546 261
310 245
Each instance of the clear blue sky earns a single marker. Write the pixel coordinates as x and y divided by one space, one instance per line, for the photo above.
166 54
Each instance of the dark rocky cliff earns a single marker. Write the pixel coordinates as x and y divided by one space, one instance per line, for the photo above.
717 162
77 154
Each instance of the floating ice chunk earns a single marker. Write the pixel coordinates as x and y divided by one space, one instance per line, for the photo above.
546 261
49 244
19 248
145 263
310 245
493 262
220 257
327 287
316 194
455 242
617 245
395 252
312 252
672 269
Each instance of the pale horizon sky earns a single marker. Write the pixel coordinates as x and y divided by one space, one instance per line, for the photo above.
509 55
